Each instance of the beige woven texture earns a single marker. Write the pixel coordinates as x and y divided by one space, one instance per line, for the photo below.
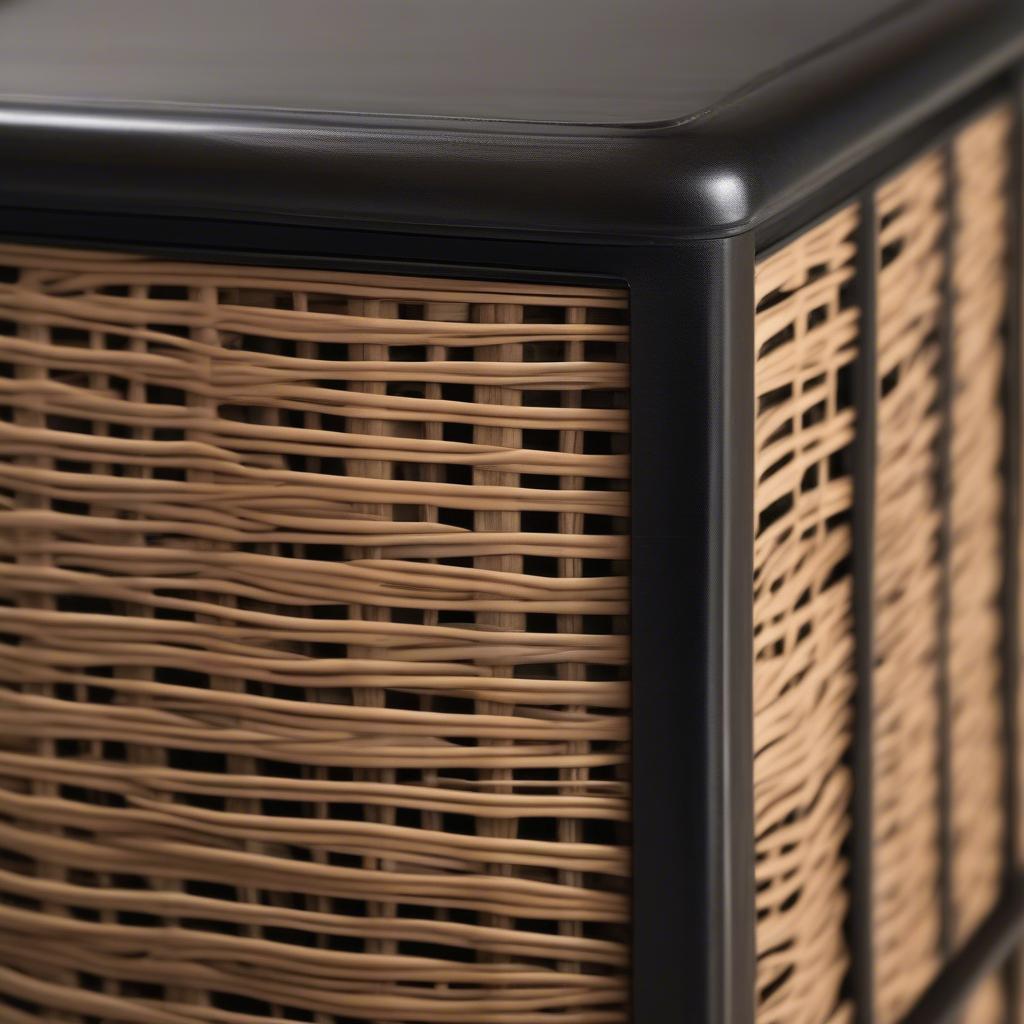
803 642
980 166
907 587
314 666
988 1003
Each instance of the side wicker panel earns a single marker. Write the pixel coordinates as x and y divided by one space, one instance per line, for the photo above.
907 586
806 335
314 662
980 165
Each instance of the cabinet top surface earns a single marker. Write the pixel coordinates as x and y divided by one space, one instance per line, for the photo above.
583 62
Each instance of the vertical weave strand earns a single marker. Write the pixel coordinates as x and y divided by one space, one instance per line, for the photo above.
315 657
981 165
805 336
907 919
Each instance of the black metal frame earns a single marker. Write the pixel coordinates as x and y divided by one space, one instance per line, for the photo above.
865 455
692 362
704 173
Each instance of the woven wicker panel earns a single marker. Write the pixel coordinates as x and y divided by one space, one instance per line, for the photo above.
315 661
981 159
806 335
907 587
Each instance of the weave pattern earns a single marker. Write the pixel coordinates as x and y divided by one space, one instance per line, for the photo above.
911 225
805 337
979 282
314 662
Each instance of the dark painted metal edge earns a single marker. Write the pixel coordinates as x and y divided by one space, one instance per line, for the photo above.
1012 442
730 576
680 893
325 248
693 484
865 457
932 133
218 236
756 157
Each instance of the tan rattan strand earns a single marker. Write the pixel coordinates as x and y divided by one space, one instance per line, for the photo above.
803 644
314 658
907 587
987 1004
981 161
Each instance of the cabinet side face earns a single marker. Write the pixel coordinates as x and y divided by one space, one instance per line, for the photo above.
880 379
980 169
806 335
315 595
940 819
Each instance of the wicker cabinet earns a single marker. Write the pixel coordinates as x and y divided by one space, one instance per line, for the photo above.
510 514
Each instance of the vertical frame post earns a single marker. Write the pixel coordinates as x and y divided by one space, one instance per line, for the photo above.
865 459
1011 597
692 430
730 576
